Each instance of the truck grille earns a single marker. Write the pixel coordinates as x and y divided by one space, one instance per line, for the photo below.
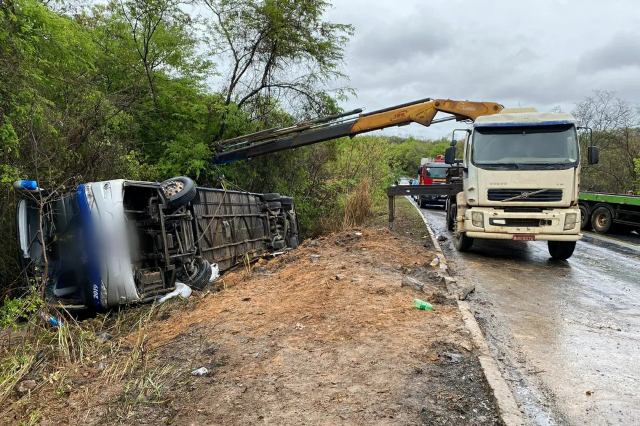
503 194
522 223
522 210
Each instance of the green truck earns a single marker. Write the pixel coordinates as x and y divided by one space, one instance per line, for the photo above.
605 213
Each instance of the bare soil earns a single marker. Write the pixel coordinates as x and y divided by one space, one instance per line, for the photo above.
323 335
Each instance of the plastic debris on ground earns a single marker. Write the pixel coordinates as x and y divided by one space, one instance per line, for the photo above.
54 322
181 290
422 305
435 262
200 371
215 273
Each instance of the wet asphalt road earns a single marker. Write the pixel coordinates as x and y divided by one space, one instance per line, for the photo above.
565 333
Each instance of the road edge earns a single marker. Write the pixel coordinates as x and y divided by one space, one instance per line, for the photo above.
507 406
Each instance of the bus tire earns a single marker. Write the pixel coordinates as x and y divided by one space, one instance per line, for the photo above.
179 191
202 275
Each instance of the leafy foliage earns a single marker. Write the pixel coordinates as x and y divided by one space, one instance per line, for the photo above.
406 156
121 89
615 131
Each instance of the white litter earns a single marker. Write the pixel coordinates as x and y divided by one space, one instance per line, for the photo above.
200 371
181 290
358 234
435 262
215 273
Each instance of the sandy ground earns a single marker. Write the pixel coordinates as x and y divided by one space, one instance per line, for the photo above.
325 335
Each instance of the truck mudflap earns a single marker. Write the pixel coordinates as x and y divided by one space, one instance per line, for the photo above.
524 236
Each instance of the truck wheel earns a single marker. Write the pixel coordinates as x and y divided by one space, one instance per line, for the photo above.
585 219
601 220
179 191
200 275
561 250
272 196
423 205
461 241
449 219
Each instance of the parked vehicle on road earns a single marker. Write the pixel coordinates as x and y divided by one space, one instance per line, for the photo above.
518 180
605 213
118 242
432 171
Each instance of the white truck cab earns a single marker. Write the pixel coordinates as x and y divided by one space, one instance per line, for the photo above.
520 181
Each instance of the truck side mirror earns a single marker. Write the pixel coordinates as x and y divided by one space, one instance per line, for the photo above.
593 154
450 155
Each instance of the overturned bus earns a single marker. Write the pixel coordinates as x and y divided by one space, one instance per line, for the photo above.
119 242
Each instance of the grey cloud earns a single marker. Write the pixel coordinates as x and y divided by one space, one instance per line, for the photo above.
383 46
623 50
512 53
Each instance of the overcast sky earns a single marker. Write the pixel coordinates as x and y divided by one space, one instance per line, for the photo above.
541 53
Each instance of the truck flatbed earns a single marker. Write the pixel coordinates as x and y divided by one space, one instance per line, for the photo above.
632 200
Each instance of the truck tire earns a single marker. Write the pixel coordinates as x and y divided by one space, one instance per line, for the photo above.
201 276
585 217
272 196
179 191
460 240
449 219
602 219
561 250
423 205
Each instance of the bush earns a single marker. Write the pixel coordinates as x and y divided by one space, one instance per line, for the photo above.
358 205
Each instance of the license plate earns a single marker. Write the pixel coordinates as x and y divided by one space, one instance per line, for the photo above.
524 237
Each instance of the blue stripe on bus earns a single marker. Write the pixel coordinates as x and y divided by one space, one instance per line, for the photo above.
89 245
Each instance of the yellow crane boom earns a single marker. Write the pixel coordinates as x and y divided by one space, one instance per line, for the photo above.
341 125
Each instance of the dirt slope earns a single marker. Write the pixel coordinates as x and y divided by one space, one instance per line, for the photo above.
325 335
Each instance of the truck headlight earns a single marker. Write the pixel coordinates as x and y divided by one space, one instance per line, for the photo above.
570 220
477 219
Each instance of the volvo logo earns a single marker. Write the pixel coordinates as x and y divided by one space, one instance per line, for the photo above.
525 195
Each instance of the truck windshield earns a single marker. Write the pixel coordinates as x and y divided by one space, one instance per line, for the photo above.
437 171
526 147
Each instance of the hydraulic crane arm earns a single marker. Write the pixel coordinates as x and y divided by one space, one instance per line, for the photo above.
337 126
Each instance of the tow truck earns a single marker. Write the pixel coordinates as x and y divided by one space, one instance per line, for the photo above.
519 178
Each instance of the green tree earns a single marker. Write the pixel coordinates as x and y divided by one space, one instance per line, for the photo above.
615 124
281 53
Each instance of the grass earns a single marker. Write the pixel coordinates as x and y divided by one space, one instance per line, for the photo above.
407 219
57 357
